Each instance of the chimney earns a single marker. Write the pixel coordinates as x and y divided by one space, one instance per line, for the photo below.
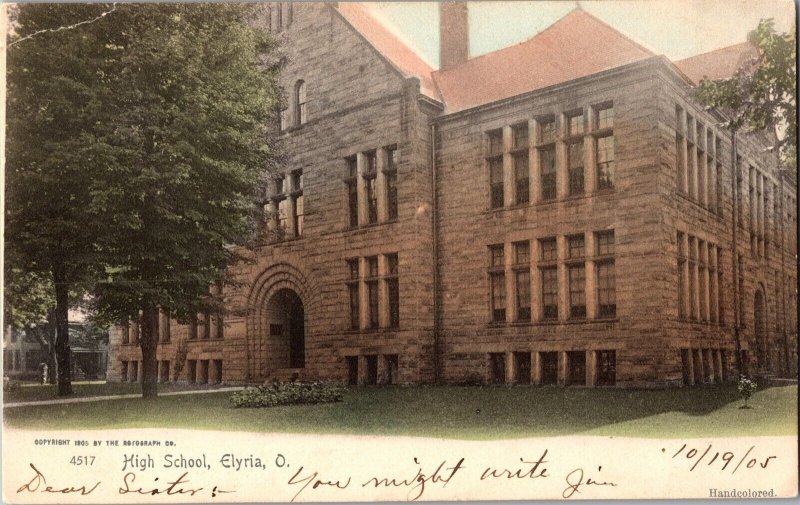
453 34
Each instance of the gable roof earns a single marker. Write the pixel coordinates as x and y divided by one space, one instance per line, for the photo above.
576 45
394 50
717 64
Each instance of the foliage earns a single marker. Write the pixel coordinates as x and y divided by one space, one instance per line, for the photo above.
150 127
10 385
271 395
763 92
746 388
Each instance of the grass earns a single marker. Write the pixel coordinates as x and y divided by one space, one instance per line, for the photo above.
39 392
451 412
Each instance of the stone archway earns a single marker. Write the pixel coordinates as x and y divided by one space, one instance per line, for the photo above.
286 336
280 304
760 330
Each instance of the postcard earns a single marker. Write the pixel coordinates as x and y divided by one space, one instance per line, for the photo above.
413 251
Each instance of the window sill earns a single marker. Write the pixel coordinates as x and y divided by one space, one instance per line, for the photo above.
552 322
551 201
370 226
685 196
372 331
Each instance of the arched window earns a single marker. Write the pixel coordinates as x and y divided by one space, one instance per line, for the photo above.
300 103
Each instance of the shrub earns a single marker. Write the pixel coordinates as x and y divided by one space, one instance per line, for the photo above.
10 385
270 395
746 388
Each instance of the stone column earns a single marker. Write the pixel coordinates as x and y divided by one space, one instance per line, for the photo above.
533 157
695 273
591 368
382 189
510 367
383 293
684 152
383 376
362 370
692 159
361 189
690 366
591 278
687 298
562 174
536 368
590 154
702 166
563 366
508 168
563 279
705 259
533 163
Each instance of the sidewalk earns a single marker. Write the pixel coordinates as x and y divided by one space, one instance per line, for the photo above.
116 397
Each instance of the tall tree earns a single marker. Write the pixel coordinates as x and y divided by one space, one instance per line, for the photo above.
53 105
762 94
185 146
140 144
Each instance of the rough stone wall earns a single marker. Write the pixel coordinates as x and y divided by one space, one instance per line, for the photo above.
468 227
356 102
774 268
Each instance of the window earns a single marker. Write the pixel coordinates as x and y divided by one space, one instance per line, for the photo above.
284 118
519 135
606 282
521 177
549 249
577 291
164 320
287 197
390 171
741 289
547 164
497 280
393 289
300 103
605 116
352 190
522 280
297 196
739 192
547 130
125 329
577 246
575 123
549 292
719 177
606 289
496 182
370 183
495 162
605 162
352 291
691 169
193 327
702 269
605 243
372 291
575 165
549 274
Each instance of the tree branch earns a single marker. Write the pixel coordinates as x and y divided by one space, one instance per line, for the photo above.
69 27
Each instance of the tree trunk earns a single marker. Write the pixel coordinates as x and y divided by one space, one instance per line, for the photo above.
147 341
62 333
50 338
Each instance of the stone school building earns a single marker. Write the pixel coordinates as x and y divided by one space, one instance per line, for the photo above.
560 211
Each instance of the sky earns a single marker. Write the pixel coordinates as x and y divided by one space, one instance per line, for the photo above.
674 28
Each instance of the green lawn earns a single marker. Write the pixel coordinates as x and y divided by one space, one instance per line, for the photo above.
451 412
38 392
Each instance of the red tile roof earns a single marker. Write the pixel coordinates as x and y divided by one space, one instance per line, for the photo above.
399 55
718 64
576 45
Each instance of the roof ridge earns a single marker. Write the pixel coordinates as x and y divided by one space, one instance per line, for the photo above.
723 48
578 9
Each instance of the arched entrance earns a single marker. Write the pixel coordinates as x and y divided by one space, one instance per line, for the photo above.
760 329
286 331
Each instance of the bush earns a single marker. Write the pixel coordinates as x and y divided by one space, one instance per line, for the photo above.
10 385
271 395
746 389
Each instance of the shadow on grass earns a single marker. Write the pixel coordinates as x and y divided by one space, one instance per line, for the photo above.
451 412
